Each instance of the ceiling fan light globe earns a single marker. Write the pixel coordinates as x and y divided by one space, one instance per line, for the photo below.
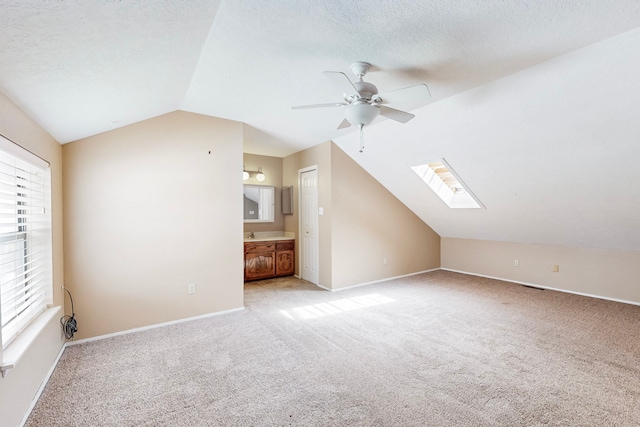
361 114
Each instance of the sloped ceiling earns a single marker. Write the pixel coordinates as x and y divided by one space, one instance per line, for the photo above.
553 152
536 118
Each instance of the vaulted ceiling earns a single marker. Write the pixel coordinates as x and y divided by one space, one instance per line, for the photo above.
534 103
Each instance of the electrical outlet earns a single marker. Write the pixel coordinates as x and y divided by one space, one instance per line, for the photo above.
191 288
556 268
516 263
384 261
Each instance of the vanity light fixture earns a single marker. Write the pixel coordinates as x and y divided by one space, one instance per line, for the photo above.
257 174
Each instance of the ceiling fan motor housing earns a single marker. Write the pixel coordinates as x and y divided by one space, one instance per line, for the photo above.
365 90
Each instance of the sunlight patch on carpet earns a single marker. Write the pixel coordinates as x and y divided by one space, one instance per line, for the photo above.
335 307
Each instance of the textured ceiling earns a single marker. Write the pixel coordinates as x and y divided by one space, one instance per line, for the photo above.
84 67
517 126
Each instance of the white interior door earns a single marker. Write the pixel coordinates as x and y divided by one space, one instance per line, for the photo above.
309 224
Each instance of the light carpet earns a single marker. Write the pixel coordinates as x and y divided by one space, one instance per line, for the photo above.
436 349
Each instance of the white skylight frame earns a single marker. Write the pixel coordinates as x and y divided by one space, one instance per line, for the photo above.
445 182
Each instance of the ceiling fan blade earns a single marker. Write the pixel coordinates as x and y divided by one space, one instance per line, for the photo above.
409 97
342 81
333 104
397 115
345 124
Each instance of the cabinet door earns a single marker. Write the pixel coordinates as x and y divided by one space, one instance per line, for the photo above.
284 263
259 265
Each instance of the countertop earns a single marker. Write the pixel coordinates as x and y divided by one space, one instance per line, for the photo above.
267 236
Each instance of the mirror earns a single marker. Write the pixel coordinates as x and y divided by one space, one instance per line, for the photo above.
258 203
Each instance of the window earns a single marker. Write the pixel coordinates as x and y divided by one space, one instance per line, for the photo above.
25 239
441 178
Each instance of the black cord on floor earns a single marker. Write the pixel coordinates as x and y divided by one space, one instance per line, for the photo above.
69 324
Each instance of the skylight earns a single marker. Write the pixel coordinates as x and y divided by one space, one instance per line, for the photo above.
441 178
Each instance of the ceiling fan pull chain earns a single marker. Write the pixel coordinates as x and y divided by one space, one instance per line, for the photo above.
361 139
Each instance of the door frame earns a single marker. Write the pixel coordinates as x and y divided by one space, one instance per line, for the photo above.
301 245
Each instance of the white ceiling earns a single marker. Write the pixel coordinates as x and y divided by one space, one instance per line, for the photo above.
542 131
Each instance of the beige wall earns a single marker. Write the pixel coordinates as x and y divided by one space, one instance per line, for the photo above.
353 238
272 169
150 208
19 386
370 224
602 273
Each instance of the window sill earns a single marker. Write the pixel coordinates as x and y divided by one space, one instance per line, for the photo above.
14 352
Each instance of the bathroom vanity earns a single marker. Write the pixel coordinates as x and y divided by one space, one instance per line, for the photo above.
267 256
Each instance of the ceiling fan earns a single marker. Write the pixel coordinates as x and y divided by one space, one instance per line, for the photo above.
363 103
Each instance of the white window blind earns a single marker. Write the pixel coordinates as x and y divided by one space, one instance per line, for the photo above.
25 239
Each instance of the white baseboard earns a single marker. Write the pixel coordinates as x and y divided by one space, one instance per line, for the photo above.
379 281
157 325
535 285
42 386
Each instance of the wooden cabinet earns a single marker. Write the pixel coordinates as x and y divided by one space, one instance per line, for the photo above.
263 260
284 258
259 260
